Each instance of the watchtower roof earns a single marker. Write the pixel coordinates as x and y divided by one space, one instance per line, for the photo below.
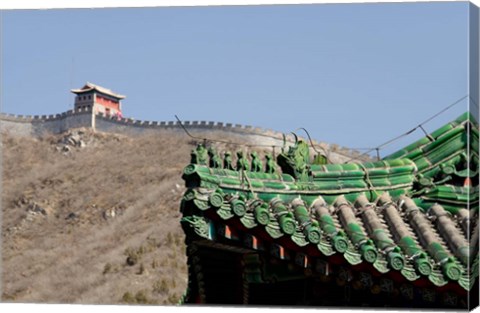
92 87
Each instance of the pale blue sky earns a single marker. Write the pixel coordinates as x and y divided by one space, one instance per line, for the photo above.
352 74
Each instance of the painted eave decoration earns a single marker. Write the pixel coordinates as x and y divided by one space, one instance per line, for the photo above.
414 212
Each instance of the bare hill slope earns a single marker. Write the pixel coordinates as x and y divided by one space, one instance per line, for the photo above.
77 206
94 218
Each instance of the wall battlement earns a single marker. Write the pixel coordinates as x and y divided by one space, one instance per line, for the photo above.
38 125
204 125
40 118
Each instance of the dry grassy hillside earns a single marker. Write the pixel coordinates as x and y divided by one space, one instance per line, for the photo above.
94 218
77 206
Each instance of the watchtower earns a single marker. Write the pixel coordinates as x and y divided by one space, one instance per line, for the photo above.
99 99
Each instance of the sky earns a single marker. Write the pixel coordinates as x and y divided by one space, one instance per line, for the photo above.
352 74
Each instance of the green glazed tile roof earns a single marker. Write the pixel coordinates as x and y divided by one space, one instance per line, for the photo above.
414 212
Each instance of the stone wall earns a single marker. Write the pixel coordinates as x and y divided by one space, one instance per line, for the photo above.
18 127
39 125
200 129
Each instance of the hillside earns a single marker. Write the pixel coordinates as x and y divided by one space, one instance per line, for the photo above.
94 217
76 205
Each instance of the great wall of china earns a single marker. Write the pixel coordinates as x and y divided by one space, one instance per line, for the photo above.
39 125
